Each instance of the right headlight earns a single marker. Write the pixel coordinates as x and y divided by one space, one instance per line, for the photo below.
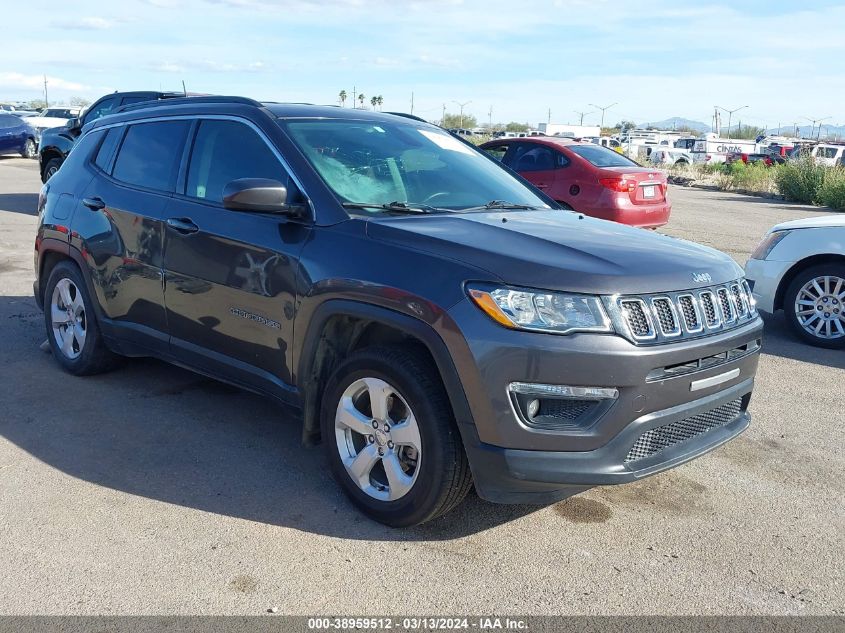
541 310
768 244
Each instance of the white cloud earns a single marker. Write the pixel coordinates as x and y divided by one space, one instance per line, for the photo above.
19 81
209 65
90 23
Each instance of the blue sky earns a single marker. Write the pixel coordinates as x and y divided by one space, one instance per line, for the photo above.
656 58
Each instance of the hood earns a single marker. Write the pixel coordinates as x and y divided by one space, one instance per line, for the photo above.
811 223
46 121
560 250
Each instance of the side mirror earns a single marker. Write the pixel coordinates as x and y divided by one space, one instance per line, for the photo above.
259 194
73 123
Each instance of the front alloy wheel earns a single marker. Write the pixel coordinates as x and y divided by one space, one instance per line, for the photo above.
391 438
378 439
815 303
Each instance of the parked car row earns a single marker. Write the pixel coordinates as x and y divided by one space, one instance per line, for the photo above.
439 322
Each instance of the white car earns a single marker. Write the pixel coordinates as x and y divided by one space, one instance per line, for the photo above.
828 154
799 268
670 156
53 117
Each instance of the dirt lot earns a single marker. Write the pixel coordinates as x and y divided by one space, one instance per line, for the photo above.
153 490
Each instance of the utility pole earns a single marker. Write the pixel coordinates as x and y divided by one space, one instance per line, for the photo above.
412 102
814 121
490 119
461 105
581 115
46 102
603 110
549 119
443 116
730 114
354 98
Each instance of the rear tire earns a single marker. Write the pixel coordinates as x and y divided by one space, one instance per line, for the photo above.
808 310
71 323
29 150
51 168
391 439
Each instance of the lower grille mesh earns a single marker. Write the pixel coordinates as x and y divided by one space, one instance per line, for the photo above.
653 441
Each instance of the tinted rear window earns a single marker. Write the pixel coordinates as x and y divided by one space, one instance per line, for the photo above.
149 154
601 156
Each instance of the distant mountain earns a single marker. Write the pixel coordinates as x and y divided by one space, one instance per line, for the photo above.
676 122
805 131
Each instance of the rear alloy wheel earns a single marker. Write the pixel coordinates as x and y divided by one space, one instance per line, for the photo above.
72 328
391 438
29 149
815 305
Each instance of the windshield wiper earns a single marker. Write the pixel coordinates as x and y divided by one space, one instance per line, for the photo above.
396 206
501 204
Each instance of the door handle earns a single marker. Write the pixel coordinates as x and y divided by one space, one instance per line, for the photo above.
95 204
542 186
183 225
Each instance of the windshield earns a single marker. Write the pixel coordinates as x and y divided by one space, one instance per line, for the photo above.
601 156
374 162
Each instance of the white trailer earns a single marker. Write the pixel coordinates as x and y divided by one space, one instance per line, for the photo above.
712 149
571 131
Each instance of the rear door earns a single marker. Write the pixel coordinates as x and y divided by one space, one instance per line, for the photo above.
534 162
231 276
123 222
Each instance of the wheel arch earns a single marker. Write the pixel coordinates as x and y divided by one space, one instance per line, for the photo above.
799 267
339 327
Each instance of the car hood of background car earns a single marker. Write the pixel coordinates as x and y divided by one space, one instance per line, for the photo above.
561 250
824 221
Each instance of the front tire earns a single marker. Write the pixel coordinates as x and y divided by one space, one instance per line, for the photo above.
72 328
51 168
814 304
391 439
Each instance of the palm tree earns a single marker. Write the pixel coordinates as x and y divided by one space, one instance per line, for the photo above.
379 100
361 98
342 97
374 102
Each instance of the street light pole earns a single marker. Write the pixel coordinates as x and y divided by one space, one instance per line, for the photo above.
812 129
603 110
730 114
581 115
465 103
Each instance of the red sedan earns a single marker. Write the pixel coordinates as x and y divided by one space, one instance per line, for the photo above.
589 178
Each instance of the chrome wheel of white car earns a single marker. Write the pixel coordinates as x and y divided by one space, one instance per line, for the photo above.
378 439
67 312
820 307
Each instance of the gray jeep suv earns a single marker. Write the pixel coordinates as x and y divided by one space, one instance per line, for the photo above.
438 322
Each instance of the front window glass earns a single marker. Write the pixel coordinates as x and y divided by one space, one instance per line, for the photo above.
379 162
601 156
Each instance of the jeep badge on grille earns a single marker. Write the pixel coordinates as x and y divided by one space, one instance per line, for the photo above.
701 278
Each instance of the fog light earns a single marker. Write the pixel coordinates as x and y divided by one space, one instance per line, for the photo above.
559 408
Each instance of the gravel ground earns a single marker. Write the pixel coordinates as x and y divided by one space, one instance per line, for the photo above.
152 490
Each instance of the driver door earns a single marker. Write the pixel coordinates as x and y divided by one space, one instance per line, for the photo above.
230 276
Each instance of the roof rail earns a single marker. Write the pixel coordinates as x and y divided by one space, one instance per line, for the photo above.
175 101
408 116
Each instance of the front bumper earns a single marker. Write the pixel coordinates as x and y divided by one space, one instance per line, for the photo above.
520 476
514 463
765 277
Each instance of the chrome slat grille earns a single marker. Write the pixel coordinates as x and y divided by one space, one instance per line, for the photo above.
686 314
652 442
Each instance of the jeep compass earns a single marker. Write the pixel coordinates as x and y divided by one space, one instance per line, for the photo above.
439 322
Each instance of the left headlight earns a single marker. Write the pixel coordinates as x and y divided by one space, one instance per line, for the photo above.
540 310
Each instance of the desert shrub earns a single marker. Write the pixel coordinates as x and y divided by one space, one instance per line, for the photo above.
800 180
832 190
